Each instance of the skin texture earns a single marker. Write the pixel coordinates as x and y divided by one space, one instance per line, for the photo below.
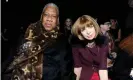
50 17
89 33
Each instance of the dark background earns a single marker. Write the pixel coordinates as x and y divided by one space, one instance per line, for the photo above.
16 13
21 13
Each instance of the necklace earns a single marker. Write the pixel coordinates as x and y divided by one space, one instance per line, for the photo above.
91 45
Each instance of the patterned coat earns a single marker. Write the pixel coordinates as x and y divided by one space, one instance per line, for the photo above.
28 63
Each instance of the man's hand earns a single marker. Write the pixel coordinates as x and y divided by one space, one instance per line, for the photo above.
131 73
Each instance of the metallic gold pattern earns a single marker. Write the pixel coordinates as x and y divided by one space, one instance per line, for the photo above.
26 70
30 35
30 58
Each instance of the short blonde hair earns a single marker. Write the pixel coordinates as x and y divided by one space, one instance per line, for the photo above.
81 23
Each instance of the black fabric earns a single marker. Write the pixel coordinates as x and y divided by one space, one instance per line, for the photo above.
58 61
114 32
122 66
100 41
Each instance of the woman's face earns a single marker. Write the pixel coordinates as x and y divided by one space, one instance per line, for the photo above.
88 33
113 22
68 22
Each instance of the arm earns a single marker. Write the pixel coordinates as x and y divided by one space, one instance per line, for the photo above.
77 63
131 73
65 30
77 71
103 73
119 35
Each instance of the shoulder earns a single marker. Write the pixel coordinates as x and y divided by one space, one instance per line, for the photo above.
62 46
32 30
101 40
118 27
34 26
102 43
62 41
76 43
104 49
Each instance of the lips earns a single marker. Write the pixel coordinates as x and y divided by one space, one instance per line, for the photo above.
90 36
48 25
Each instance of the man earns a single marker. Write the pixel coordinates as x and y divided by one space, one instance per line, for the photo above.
44 53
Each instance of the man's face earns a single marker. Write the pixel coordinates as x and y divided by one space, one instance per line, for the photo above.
106 27
50 18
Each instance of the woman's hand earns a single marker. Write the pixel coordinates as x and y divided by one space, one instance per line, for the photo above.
77 71
103 74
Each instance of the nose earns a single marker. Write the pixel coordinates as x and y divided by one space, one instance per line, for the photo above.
49 18
88 33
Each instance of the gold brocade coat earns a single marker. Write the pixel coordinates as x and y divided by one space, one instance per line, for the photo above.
27 65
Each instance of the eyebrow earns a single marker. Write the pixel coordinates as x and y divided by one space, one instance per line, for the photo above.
68 21
48 13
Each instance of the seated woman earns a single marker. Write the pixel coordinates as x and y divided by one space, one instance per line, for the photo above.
90 52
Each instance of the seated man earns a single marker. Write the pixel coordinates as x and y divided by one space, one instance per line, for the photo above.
44 53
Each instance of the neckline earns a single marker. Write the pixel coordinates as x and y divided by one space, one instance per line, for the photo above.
91 45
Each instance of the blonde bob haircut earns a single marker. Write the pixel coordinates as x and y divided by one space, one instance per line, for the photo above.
81 23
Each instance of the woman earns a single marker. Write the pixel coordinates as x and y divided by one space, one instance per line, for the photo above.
90 53
115 30
67 27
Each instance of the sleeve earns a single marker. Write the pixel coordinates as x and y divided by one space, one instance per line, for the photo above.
76 57
30 32
22 48
103 64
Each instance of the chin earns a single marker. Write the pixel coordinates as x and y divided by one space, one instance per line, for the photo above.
48 29
90 38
